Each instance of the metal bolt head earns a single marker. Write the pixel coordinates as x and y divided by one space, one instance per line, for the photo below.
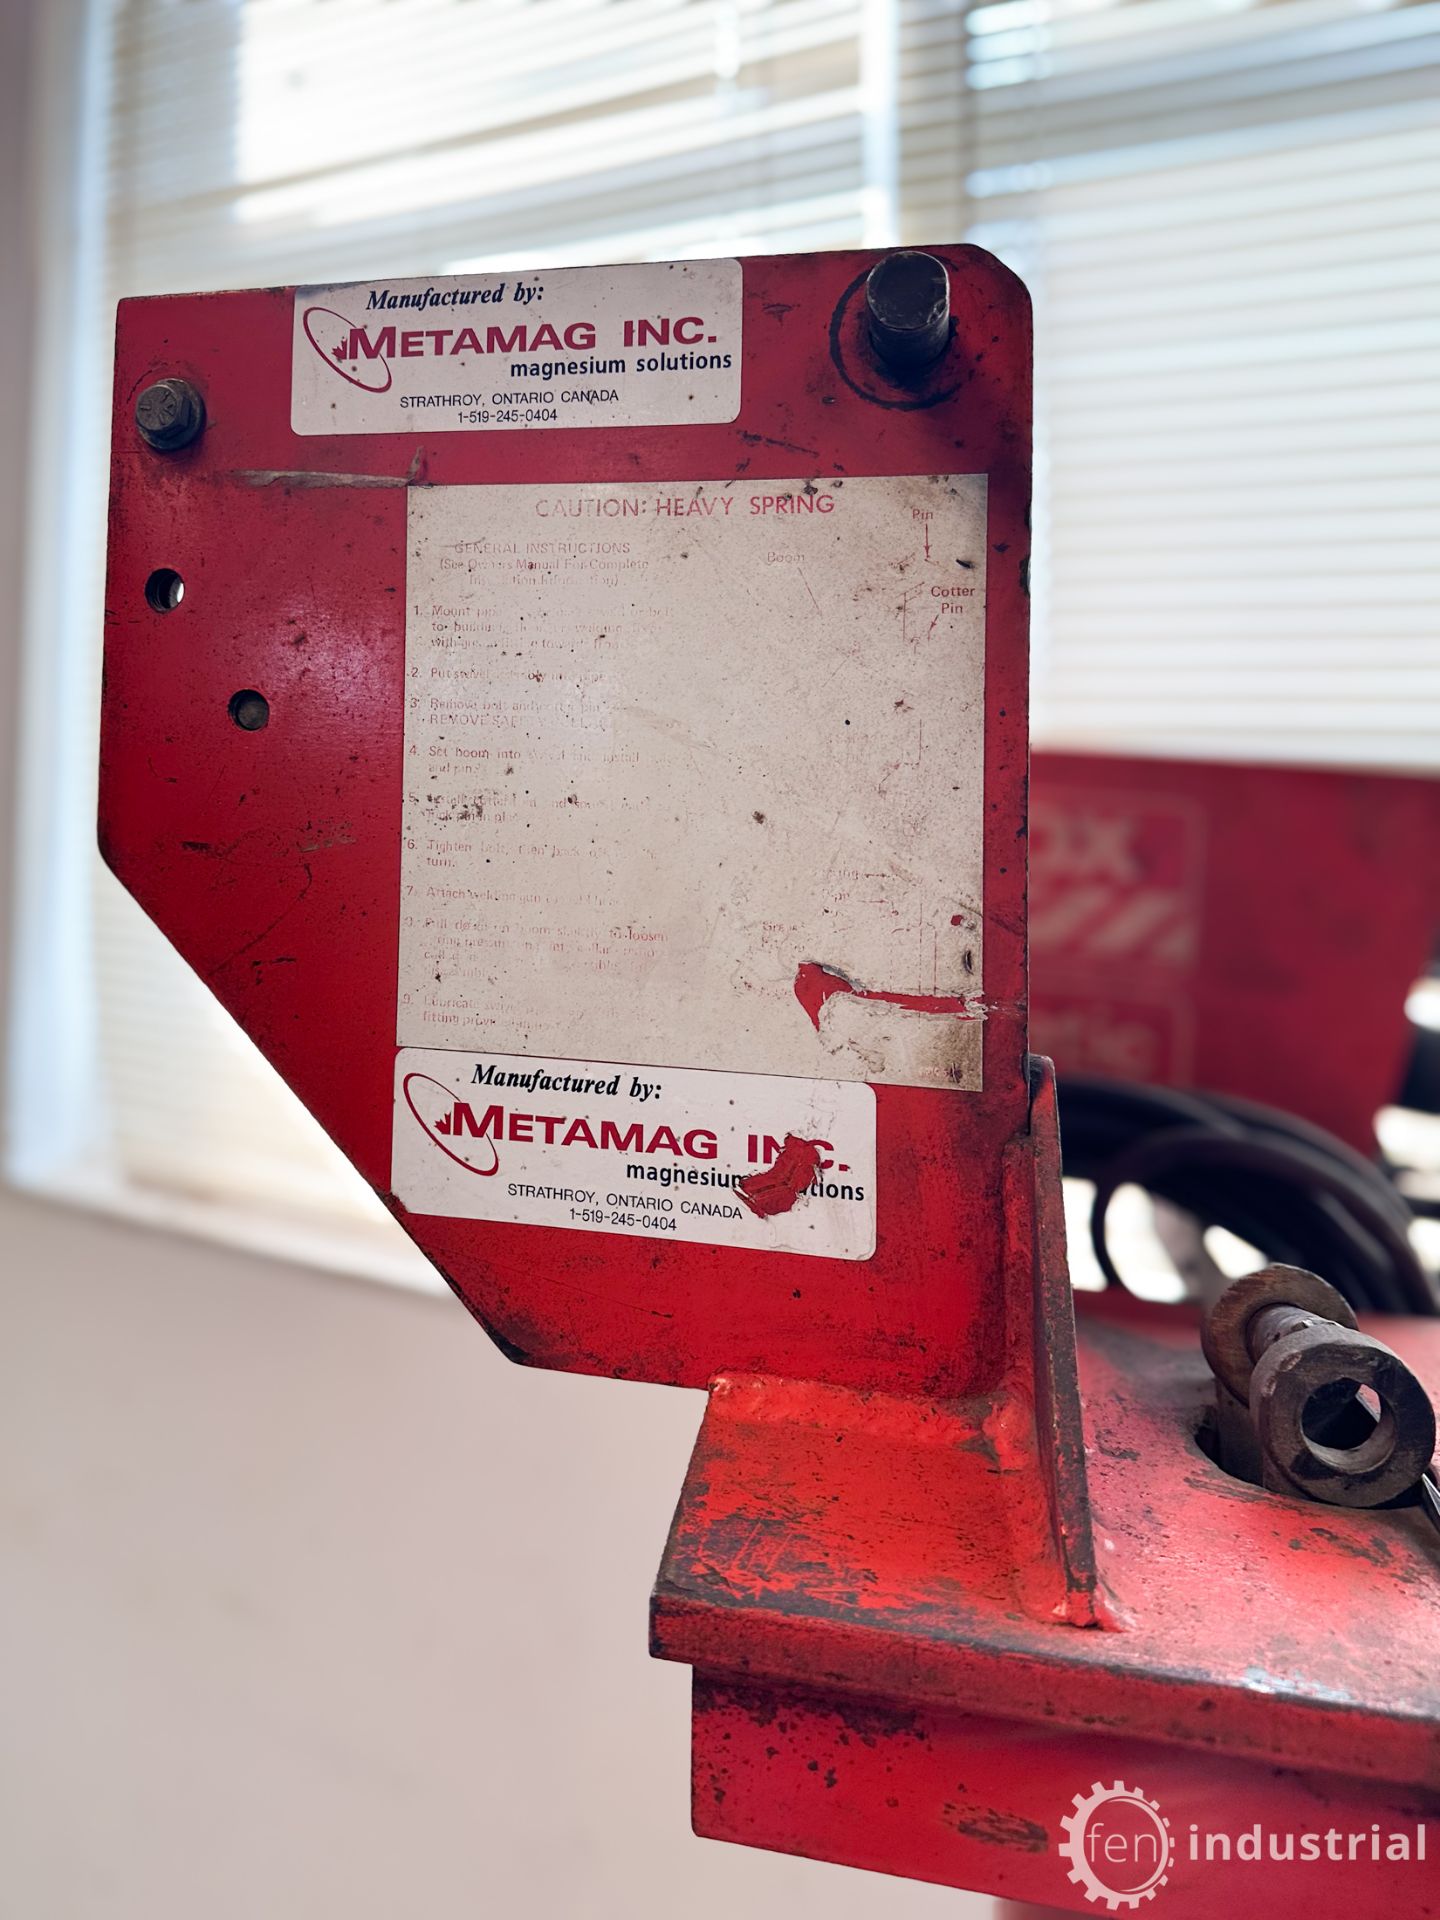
908 300
170 415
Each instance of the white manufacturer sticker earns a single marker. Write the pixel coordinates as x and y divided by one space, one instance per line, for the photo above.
635 346
694 772
733 1160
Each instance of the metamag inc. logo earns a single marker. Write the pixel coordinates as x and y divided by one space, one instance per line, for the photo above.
450 1124
334 338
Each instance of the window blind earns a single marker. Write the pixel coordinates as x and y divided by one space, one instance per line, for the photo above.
1227 214
312 140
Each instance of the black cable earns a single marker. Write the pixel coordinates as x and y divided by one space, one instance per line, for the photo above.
1285 1186
1290 1126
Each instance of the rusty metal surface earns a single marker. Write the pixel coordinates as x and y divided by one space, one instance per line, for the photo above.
1290 1362
269 853
1225 1329
1039 1279
1306 1361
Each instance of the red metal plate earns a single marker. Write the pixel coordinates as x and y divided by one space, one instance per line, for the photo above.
271 858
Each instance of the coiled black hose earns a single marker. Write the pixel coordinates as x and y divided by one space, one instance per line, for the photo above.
1293 1191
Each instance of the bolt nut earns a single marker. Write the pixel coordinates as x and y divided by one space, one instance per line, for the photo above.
169 415
1315 1370
908 300
1225 1332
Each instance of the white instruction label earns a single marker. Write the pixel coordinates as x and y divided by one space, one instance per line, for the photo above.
733 1160
640 346
694 773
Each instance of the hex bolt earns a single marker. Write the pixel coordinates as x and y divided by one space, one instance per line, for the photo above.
169 415
907 297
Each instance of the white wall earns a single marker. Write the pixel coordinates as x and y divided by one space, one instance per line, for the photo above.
311 1606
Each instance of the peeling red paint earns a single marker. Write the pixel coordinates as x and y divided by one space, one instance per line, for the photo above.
776 1188
815 984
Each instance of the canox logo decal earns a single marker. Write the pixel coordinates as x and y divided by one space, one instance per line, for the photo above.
451 1124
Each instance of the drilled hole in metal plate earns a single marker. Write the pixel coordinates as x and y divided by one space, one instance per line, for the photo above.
250 710
164 589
